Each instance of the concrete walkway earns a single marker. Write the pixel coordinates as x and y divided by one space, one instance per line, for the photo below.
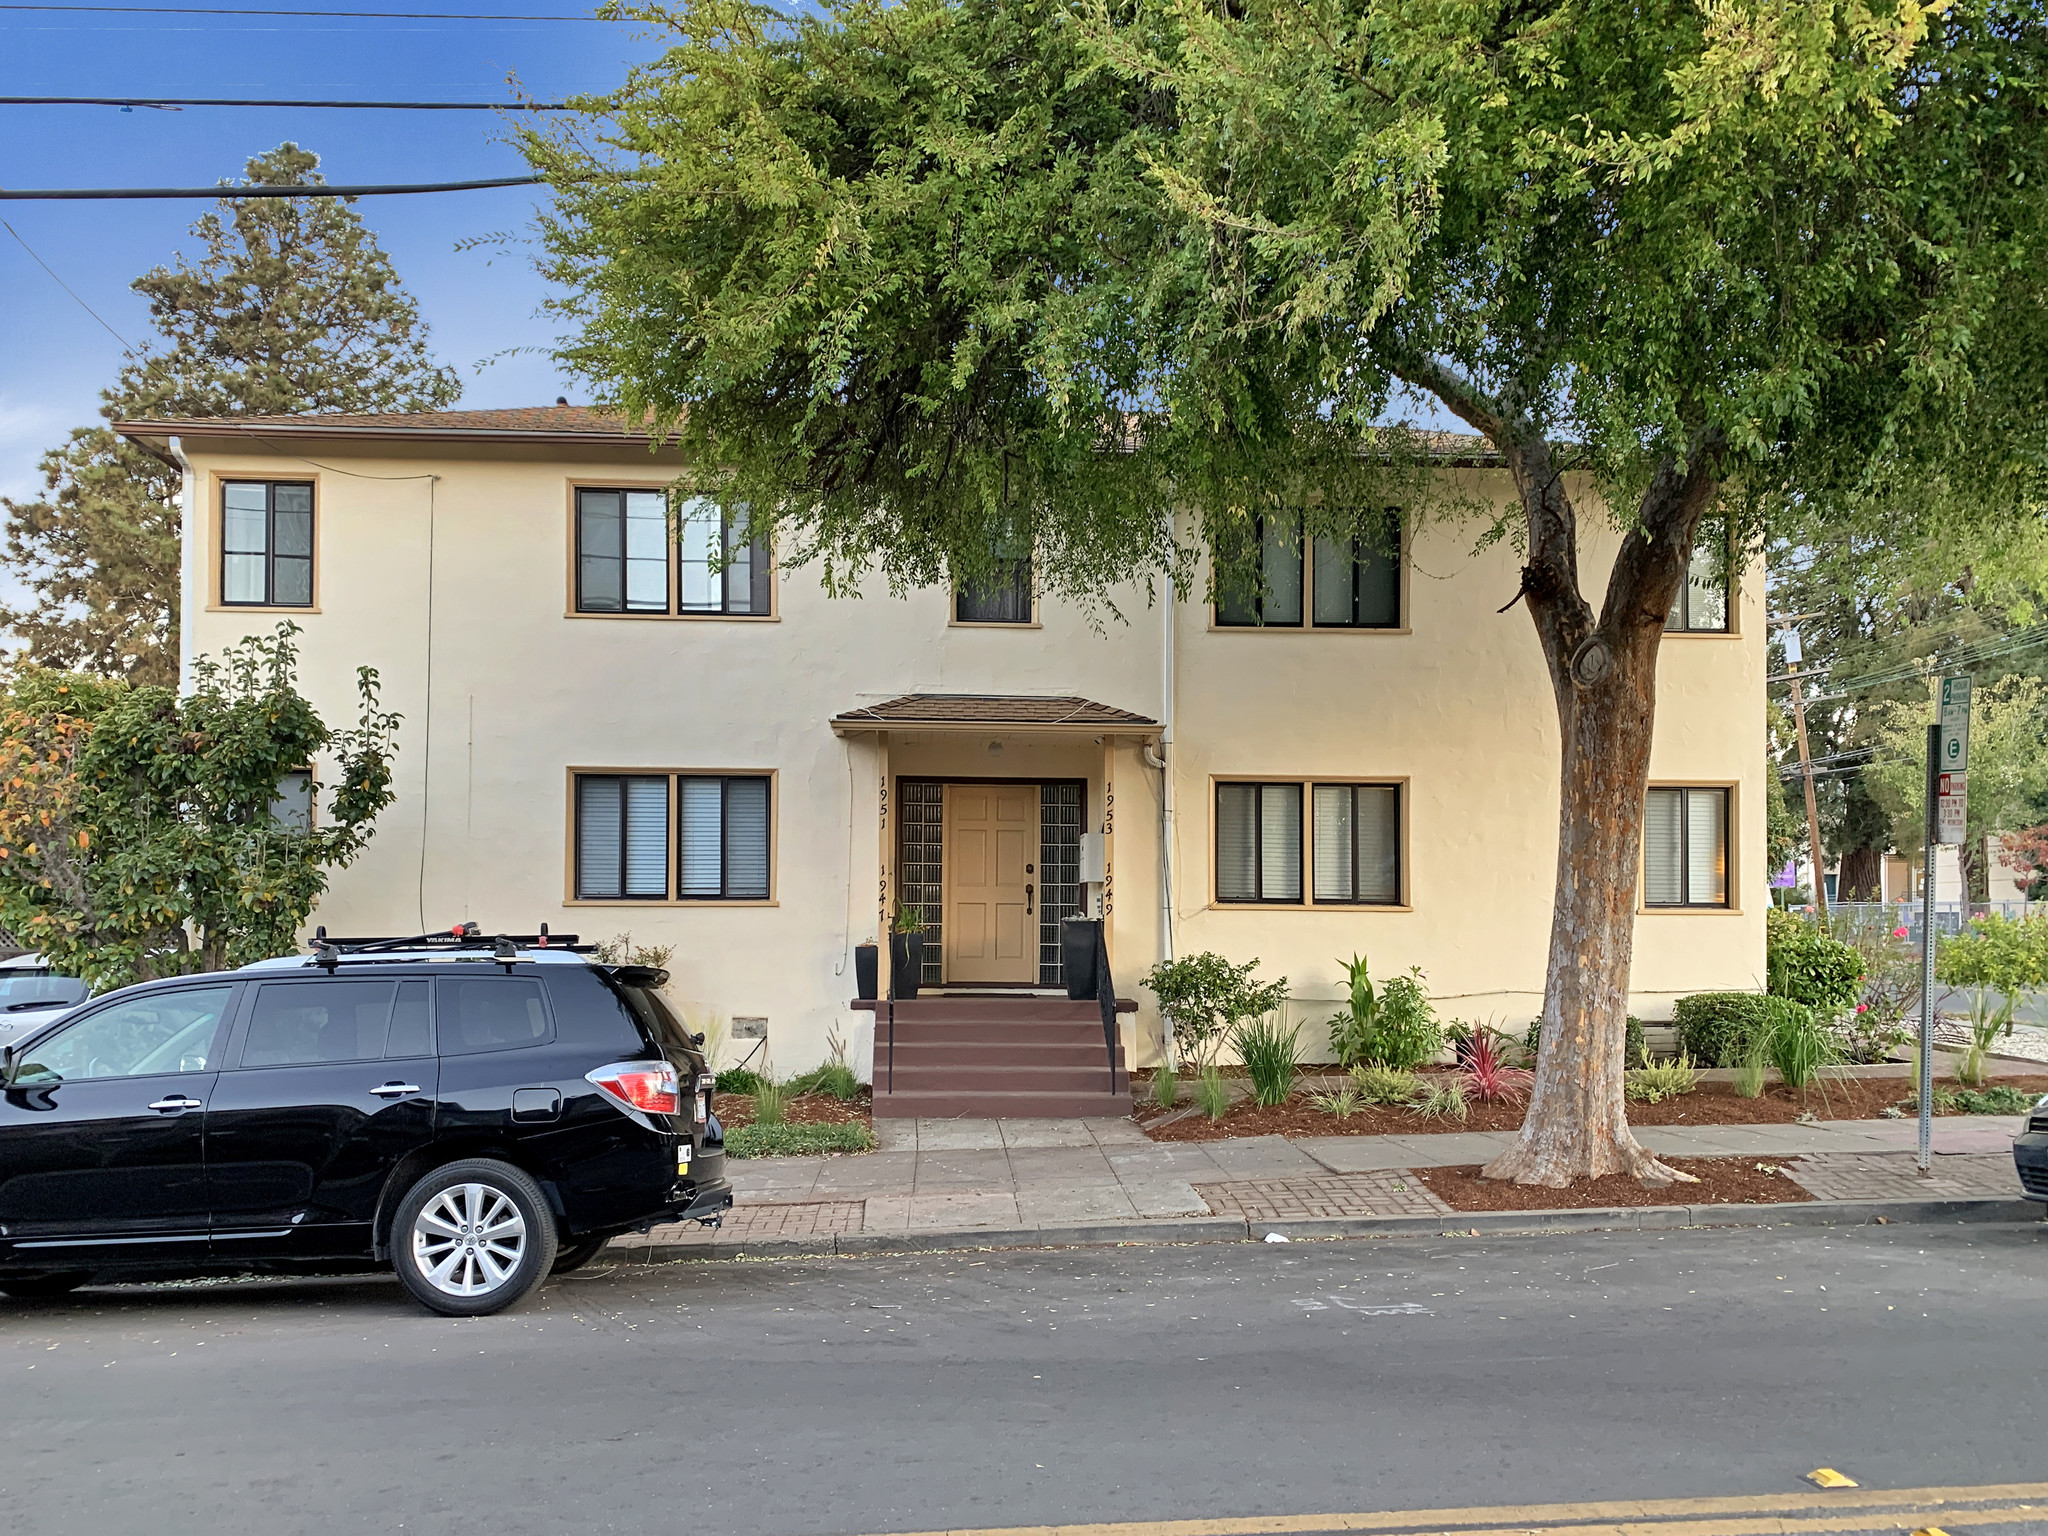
1023 1179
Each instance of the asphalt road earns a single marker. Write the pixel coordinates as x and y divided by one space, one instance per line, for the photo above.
948 1391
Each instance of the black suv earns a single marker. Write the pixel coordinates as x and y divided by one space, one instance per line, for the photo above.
474 1113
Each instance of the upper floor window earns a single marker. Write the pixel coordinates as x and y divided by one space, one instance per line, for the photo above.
629 560
1685 848
1348 583
291 806
718 826
266 546
1702 603
1003 597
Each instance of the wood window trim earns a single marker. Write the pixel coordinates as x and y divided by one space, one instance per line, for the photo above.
1308 903
674 613
1308 626
213 514
1732 907
663 903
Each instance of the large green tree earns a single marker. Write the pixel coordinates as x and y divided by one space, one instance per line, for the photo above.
922 280
290 305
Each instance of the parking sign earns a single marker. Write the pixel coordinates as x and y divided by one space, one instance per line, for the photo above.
1953 754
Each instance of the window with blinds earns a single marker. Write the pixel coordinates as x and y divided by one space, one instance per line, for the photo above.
1702 603
622 837
1685 848
722 838
1356 844
721 570
266 544
1258 842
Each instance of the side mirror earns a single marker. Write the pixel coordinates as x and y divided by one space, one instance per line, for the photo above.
696 1039
6 1065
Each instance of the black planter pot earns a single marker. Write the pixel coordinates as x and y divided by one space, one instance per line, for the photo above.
906 964
867 970
1079 938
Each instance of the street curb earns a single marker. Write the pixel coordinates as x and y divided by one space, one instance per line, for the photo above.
1233 1229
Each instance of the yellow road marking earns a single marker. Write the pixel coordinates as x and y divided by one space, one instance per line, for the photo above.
1619 1515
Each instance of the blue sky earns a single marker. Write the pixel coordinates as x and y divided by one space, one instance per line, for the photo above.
54 357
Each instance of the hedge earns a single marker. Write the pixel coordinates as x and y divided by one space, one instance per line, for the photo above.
792 1140
1716 1028
1808 966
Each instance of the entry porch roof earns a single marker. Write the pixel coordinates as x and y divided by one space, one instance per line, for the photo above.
981 712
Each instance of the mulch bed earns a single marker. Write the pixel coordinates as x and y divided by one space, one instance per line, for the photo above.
1722 1181
1709 1104
737 1109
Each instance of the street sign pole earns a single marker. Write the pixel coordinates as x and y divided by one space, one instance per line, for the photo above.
1927 959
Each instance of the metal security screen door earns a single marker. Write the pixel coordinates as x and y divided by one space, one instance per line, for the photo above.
992 851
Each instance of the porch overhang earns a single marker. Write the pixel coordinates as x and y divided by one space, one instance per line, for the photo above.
978 714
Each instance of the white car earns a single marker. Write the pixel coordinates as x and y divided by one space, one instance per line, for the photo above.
31 995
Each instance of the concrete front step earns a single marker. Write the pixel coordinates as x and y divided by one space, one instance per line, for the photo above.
950 1105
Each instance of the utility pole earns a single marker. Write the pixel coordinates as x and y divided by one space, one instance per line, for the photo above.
1794 654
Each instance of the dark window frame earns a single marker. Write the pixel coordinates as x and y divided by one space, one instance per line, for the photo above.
581 780
760 567
1305 556
1400 789
673 780
268 553
1301 896
1725 796
1016 577
1681 606
725 871
675 513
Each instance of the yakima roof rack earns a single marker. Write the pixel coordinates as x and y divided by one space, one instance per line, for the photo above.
463 936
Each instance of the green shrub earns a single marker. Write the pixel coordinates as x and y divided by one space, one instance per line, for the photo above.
1165 1089
1204 996
1343 1103
1999 1099
1718 1028
835 1079
1443 1100
787 1140
1798 1046
738 1080
1635 1047
1393 1026
771 1103
1271 1053
1803 963
1665 1080
1385 1085
1749 1079
1212 1096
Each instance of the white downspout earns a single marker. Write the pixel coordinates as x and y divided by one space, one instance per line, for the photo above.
1161 758
191 565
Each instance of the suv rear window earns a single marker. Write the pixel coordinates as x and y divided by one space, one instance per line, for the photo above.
655 1016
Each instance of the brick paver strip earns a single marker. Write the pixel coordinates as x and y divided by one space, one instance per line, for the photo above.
1896 1176
1391 1192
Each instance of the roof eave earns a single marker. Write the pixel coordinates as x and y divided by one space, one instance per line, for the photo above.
845 725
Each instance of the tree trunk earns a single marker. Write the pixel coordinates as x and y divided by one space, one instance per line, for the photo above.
1604 678
1862 875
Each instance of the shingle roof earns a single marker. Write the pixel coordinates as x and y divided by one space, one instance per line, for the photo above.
943 709
554 421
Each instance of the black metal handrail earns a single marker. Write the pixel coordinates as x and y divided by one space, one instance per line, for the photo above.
1105 995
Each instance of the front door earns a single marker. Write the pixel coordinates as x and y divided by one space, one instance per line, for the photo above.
102 1134
991 863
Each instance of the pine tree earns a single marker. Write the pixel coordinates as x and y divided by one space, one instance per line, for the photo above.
291 306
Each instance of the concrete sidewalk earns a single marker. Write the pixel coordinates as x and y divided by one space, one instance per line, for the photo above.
1043 1181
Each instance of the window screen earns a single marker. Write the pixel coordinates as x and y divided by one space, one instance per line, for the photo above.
1702 603
1278 598
621 837
621 551
267 543
1258 842
1358 581
722 571
1004 598
722 838
307 1023
1357 843
1685 848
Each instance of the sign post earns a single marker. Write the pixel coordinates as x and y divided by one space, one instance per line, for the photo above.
1948 759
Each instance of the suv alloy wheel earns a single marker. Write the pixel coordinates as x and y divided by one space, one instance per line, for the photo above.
473 1237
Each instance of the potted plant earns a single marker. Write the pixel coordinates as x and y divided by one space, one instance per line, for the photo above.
906 952
867 971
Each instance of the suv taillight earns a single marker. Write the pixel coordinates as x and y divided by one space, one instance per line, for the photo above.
651 1087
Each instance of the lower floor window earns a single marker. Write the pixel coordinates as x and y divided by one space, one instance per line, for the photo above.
1258 842
1346 853
717 825
1358 843
1685 848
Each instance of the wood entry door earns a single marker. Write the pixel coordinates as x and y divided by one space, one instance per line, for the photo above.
991 864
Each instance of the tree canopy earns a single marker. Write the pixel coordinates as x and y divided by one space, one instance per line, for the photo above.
289 306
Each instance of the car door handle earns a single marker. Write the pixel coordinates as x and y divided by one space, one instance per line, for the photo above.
176 1106
395 1090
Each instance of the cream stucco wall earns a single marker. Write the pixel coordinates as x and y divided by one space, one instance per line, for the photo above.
449 575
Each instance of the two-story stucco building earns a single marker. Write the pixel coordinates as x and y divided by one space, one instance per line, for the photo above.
605 733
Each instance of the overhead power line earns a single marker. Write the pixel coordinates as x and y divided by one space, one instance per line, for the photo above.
179 103
1967 656
125 345
216 10
116 194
